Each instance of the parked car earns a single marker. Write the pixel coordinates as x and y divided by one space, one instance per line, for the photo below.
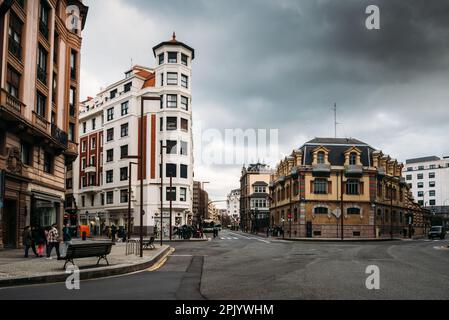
437 232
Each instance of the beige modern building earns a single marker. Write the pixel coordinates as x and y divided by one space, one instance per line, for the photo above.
329 185
40 42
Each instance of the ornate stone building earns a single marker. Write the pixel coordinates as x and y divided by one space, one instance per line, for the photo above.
329 185
40 42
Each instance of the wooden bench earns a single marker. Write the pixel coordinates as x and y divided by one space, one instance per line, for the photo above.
149 244
88 250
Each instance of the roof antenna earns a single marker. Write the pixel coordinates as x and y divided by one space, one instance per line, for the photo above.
335 119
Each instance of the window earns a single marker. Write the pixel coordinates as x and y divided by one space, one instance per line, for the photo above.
110 197
94 123
15 35
170 194
410 169
48 162
113 93
84 127
42 65
110 134
56 48
92 200
184 103
26 153
55 87
420 185
110 114
162 101
172 123
162 79
184 171
184 150
431 175
102 199
421 202
432 184
172 147
71 133
352 187
110 155
83 200
43 18
124 130
92 180
170 170
420 176
92 161
41 102
321 210
353 211
432 202
409 177
320 157
84 183
172 101
73 58
420 193
161 124
83 163
184 81
432 166
93 143
68 183
124 174
109 176
172 78
127 87
184 124
320 186
13 82
72 98
161 58
184 59
124 196
125 106
172 57
183 194
353 159
432 193
83 146
420 167
123 151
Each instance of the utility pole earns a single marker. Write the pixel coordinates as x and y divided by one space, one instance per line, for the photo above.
341 206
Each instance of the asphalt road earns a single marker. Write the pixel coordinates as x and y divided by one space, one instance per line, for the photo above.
241 266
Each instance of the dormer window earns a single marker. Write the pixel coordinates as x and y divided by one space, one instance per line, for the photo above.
172 57
321 157
353 159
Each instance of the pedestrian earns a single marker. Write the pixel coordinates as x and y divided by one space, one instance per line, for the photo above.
67 239
53 242
39 238
27 241
268 232
113 232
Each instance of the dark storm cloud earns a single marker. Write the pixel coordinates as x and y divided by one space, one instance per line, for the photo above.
282 64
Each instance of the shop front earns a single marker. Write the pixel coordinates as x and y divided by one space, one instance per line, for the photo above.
45 210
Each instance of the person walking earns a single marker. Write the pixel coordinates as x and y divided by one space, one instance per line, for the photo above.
27 241
53 242
67 239
39 238
113 232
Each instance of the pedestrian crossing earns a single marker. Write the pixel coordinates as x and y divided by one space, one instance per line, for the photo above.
229 238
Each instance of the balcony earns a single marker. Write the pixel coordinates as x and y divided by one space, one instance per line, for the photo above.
59 135
354 171
15 48
321 170
40 122
11 104
90 169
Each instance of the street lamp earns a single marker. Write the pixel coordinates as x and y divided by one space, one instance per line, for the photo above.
129 190
162 188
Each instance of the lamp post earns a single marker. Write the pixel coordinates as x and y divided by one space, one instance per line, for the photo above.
129 196
162 147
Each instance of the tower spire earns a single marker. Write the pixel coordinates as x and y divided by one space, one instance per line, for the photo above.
174 36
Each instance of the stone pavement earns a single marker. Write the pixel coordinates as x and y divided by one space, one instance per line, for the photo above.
13 265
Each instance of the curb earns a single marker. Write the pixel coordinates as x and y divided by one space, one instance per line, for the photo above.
101 272
337 240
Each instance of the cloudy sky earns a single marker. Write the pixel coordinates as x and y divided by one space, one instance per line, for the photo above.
265 64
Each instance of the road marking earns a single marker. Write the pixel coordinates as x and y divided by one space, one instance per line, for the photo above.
161 262
265 241
234 234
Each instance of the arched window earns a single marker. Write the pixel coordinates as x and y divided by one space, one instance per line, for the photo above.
353 211
321 210
353 159
321 157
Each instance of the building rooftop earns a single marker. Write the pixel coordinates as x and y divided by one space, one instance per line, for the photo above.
422 159
335 141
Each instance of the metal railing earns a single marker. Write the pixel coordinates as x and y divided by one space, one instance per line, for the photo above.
132 247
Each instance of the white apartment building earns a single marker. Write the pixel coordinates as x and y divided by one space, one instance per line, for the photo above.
110 132
429 179
233 205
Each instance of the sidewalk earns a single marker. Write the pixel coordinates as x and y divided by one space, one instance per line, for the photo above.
16 270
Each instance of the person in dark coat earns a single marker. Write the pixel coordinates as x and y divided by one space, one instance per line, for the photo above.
40 240
113 232
27 241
